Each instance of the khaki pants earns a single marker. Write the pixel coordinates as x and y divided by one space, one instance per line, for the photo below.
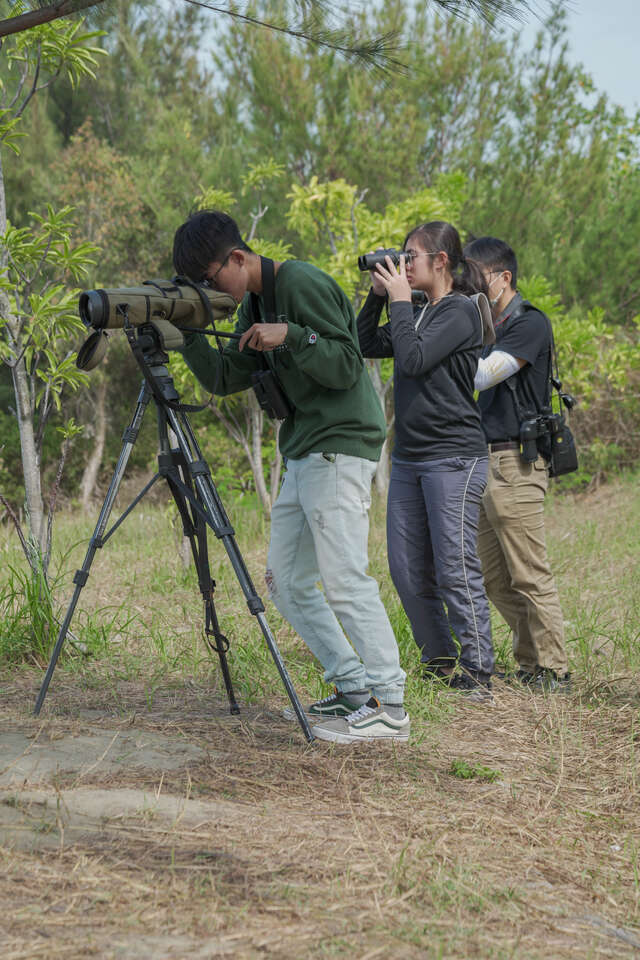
513 553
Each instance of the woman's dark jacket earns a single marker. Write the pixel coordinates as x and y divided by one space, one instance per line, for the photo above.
436 415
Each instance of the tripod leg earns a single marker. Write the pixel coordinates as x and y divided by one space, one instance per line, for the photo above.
82 575
221 526
221 646
194 527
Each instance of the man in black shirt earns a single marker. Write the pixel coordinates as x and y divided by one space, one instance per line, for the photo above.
513 380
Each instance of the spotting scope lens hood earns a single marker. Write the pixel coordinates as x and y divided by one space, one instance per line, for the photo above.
92 309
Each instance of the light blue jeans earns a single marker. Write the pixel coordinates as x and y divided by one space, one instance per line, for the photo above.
320 532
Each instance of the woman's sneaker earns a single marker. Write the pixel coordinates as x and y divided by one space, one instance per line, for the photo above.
337 704
371 721
472 688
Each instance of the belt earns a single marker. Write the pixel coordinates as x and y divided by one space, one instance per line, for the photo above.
504 445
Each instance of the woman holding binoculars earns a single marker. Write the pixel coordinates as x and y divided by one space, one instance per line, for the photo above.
439 461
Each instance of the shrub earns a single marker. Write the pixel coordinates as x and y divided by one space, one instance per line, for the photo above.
600 365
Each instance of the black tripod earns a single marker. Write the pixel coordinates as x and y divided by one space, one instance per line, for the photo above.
198 502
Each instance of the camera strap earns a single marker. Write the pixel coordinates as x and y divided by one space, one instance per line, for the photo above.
269 391
268 299
512 382
206 304
553 374
559 449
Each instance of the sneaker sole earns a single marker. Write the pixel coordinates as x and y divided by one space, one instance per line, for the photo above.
354 738
289 714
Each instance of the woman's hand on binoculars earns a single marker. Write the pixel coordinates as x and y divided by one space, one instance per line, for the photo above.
395 281
264 336
377 285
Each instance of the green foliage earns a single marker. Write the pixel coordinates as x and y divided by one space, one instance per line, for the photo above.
213 198
319 161
40 258
28 625
37 264
599 364
59 46
275 249
464 770
261 174
11 479
549 165
10 133
333 220
98 183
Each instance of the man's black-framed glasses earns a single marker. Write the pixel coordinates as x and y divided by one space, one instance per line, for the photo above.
210 282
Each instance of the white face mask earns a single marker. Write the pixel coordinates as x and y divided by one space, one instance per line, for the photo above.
493 301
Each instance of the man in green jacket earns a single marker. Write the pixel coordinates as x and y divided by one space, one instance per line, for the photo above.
331 442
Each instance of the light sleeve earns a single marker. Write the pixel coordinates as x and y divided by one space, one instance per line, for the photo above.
495 368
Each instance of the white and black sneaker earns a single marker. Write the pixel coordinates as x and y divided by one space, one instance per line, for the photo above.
370 722
337 704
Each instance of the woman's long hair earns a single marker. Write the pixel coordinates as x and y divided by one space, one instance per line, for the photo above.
441 236
466 273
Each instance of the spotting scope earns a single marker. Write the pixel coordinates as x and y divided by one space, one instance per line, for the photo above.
178 301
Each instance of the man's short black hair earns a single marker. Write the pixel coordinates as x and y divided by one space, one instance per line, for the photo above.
206 236
494 253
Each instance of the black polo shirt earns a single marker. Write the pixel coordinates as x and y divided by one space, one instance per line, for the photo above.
525 333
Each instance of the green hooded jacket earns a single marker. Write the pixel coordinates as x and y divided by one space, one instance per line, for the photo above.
319 366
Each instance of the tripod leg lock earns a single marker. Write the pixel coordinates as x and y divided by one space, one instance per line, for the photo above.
255 604
165 464
227 531
130 435
80 577
199 468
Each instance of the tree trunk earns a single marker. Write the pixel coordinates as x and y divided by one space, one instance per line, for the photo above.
34 18
92 467
256 423
383 470
30 460
276 466
24 406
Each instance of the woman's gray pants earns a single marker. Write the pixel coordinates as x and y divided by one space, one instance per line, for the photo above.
432 532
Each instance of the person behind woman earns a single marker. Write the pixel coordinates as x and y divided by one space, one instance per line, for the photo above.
439 462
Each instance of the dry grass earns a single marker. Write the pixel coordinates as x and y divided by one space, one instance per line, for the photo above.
313 849
288 850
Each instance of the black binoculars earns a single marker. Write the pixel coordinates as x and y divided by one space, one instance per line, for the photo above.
368 261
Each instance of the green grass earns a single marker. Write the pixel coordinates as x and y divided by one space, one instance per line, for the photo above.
142 610
473 771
